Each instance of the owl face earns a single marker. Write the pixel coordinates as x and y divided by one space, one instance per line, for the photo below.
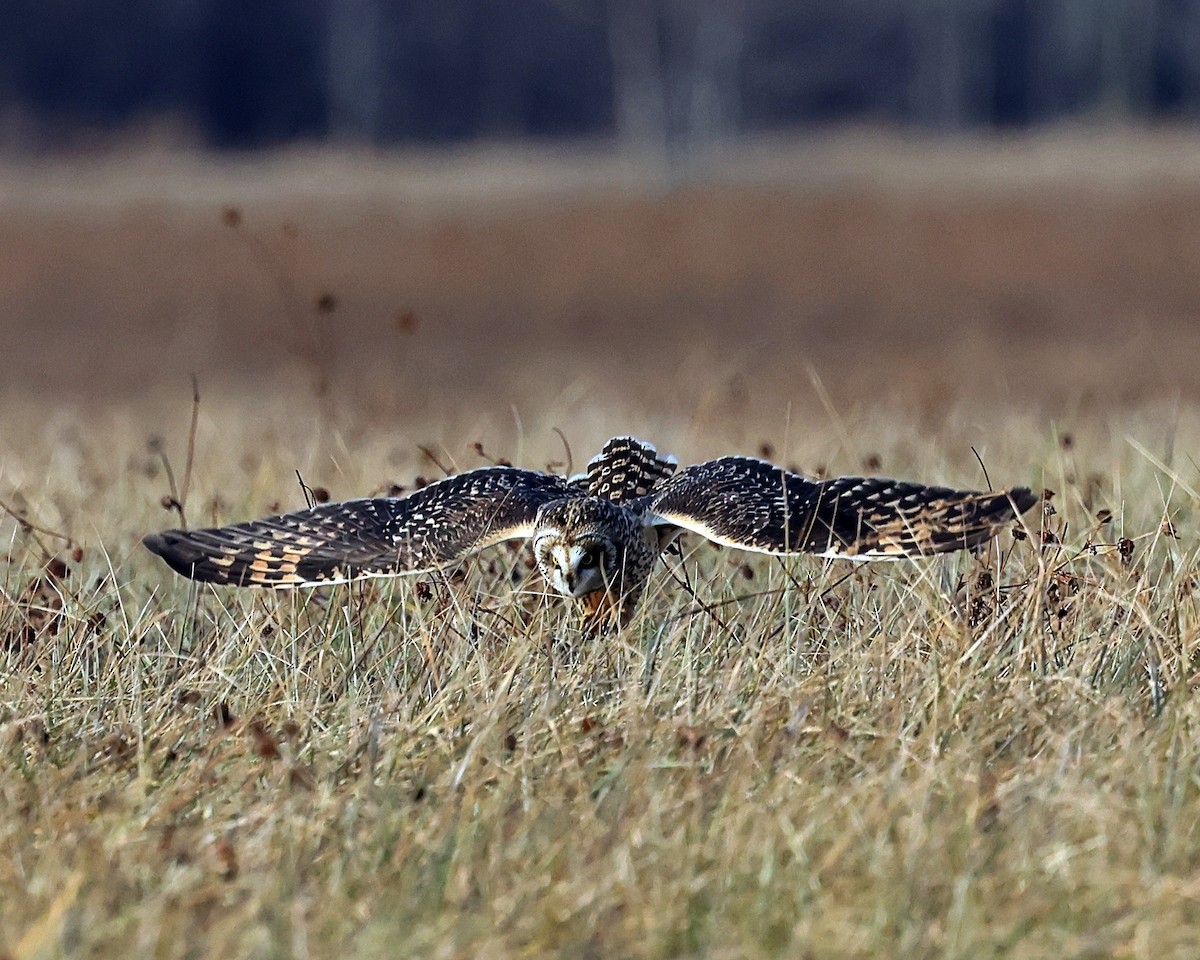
575 564
575 546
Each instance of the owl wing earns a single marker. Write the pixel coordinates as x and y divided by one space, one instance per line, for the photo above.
754 505
382 537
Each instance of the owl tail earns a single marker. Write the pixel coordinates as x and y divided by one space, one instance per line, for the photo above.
625 469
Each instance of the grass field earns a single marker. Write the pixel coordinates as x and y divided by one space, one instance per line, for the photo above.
994 756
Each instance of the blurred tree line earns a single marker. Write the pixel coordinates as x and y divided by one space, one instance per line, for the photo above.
667 75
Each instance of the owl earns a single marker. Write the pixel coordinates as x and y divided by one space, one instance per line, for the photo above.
597 536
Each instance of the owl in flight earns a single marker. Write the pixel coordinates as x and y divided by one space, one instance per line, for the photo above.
596 536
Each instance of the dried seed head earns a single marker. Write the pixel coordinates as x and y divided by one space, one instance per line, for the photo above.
265 745
226 859
1125 549
223 715
407 321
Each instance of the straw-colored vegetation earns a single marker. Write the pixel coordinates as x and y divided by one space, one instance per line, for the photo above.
973 758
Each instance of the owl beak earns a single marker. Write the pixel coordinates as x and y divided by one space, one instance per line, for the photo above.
561 576
565 574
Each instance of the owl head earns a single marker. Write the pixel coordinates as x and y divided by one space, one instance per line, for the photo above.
578 545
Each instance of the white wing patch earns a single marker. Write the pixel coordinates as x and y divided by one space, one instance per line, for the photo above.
692 525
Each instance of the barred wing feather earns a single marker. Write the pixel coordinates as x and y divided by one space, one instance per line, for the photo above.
380 537
754 505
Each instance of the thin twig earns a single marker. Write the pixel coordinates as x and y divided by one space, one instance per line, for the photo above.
485 455
566 446
307 491
172 501
191 446
986 478
703 606
28 525
436 462
740 598
304 341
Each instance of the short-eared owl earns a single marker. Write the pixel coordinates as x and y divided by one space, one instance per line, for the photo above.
597 536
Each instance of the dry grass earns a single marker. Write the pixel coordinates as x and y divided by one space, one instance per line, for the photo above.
799 760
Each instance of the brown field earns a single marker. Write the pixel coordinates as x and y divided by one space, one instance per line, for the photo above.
776 759
1043 289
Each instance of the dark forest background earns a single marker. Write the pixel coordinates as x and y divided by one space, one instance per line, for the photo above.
658 74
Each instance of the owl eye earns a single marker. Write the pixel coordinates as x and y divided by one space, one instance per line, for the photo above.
588 559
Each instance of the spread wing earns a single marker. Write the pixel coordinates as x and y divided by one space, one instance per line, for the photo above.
753 505
382 537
